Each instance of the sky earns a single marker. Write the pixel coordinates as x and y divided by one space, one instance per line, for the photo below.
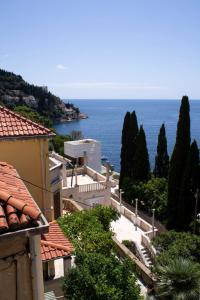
104 49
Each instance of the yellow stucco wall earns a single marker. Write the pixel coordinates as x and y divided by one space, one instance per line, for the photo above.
30 158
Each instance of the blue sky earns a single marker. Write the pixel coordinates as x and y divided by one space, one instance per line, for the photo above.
104 48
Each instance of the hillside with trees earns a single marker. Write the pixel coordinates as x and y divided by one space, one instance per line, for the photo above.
16 92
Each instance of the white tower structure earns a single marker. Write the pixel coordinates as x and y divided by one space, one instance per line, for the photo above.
87 151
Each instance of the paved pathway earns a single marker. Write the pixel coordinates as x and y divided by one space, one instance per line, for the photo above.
126 230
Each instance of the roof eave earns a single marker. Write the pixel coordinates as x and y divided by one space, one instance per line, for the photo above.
24 137
41 229
58 257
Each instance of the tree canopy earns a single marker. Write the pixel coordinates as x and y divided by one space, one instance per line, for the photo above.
189 186
129 133
174 244
141 170
99 274
178 162
178 279
162 158
100 277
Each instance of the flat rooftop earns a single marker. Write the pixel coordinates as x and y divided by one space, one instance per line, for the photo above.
81 180
81 142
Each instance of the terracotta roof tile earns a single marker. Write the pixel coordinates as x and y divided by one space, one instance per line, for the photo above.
17 207
54 244
14 125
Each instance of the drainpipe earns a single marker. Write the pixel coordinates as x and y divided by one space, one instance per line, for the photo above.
36 267
43 175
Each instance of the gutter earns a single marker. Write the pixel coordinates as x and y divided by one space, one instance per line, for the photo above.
43 227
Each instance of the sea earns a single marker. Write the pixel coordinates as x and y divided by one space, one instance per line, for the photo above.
105 121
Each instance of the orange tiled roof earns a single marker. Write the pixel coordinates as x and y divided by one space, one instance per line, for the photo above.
54 244
14 125
17 208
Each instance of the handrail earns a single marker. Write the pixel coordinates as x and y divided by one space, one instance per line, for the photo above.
161 228
71 172
142 270
96 186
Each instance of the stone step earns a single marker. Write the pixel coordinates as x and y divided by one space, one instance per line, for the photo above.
146 256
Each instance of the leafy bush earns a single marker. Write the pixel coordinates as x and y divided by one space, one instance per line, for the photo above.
116 176
57 143
98 273
174 244
151 194
89 230
178 279
101 277
131 246
33 115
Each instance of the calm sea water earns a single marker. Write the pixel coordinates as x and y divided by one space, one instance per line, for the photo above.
106 119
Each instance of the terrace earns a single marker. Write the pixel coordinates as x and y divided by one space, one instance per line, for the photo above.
87 186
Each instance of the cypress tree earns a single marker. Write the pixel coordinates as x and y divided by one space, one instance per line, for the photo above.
189 185
134 133
178 162
129 132
125 144
133 125
162 158
141 170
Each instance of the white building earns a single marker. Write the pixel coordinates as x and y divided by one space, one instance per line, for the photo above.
82 185
86 152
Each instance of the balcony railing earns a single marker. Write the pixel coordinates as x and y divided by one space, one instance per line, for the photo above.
91 187
71 172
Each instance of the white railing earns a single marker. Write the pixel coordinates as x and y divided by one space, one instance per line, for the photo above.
91 187
70 172
148 233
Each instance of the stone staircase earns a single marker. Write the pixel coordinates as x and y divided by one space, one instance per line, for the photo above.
146 257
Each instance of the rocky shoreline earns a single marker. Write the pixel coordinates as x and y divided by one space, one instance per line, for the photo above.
69 119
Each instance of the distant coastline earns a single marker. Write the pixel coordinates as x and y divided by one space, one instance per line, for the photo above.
35 102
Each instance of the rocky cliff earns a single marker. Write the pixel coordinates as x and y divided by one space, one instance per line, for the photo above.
14 91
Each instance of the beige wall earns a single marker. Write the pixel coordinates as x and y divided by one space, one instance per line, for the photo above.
15 269
99 197
30 158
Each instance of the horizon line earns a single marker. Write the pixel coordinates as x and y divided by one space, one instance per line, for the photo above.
132 99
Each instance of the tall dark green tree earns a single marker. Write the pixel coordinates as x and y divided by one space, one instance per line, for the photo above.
190 184
178 162
125 144
141 170
134 132
129 133
162 158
